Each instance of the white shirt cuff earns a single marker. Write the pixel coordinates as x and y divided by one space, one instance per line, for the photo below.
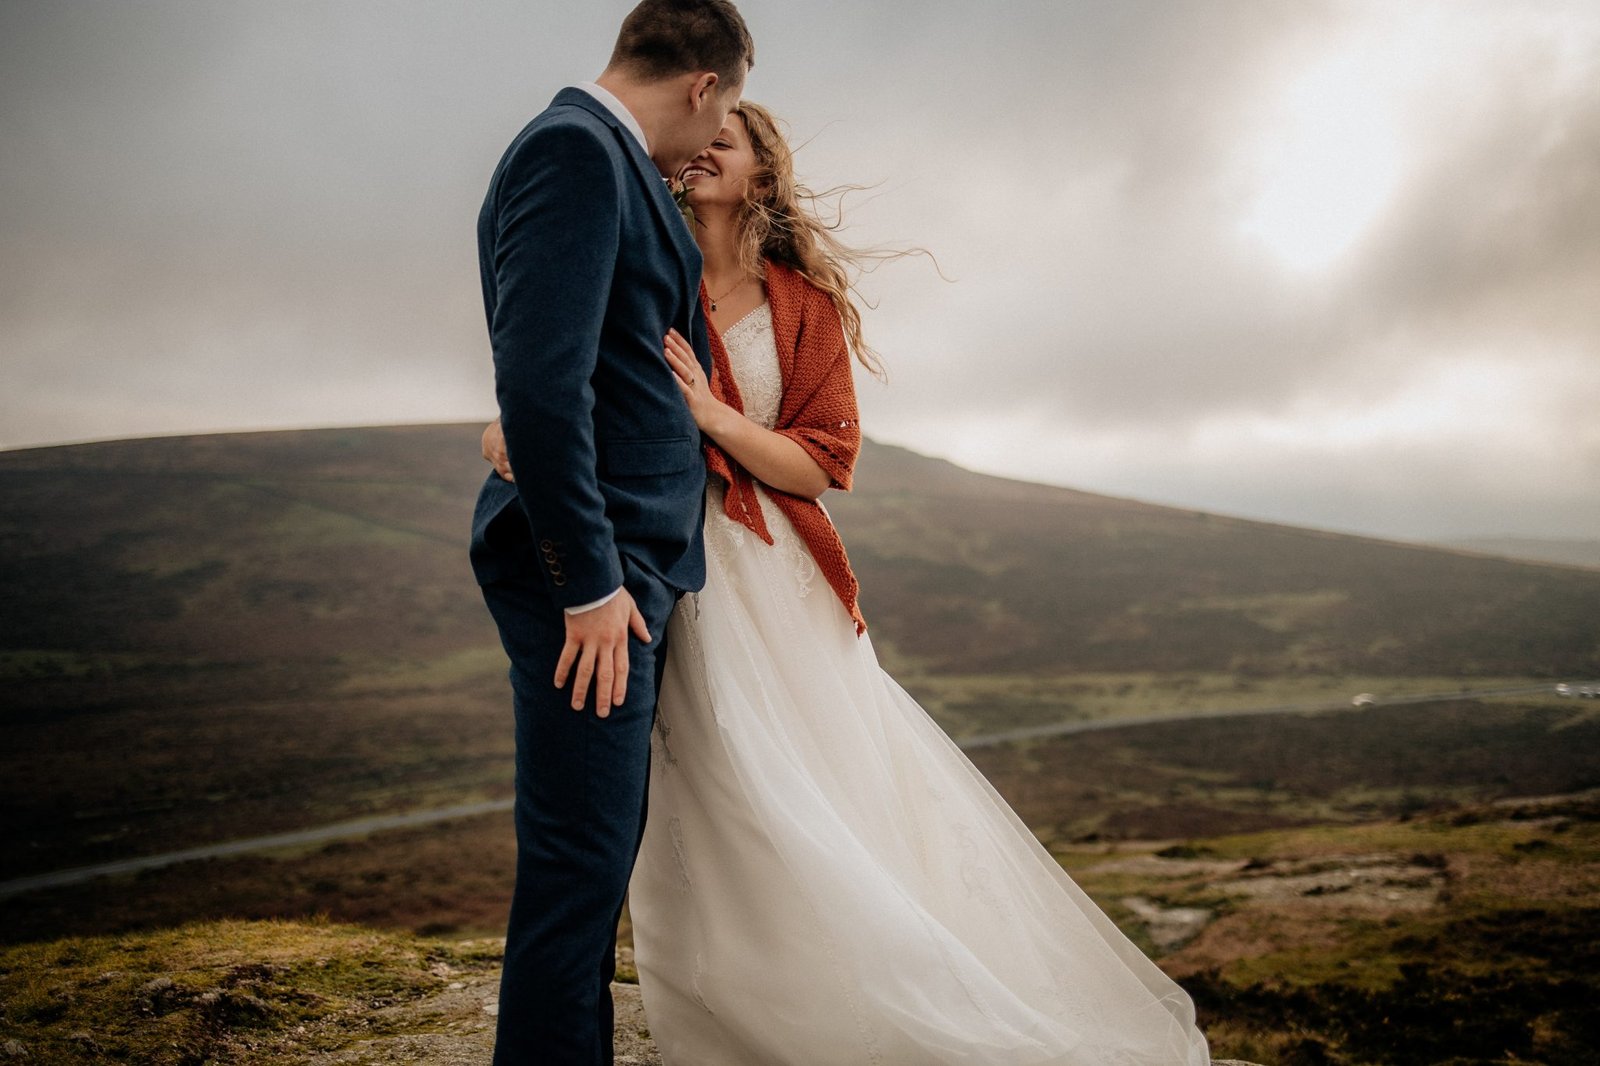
595 603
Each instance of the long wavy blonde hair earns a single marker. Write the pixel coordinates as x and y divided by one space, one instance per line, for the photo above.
779 220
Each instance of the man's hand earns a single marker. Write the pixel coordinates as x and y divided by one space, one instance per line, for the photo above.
494 450
597 641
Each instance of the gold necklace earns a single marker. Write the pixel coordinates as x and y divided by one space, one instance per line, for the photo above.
729 293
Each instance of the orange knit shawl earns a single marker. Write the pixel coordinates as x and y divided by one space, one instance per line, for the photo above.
818 411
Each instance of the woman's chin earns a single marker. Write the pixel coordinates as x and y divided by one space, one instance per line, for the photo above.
707 200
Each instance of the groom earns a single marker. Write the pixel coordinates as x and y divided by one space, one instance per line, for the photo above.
586 263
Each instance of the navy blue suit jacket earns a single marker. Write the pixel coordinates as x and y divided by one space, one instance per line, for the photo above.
585 262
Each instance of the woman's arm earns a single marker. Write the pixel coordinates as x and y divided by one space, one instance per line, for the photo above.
772 458
786 465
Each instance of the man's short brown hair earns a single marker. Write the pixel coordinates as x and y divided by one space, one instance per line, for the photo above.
663 38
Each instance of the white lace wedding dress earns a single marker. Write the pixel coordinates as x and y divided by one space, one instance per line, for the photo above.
825 879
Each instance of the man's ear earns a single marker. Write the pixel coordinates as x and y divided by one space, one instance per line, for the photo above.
704 89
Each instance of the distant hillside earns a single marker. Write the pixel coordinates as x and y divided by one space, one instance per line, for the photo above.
993 574
1571 552
207 637
315 546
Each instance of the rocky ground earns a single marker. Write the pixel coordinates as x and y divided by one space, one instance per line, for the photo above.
1415 941
455 1027
284 993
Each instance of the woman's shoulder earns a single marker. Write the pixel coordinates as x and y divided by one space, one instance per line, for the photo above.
786 285
783 277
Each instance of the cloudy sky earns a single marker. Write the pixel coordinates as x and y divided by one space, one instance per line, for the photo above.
1335 264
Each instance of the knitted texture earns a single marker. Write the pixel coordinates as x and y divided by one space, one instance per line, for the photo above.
818 412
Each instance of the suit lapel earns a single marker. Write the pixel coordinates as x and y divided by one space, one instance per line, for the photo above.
655 187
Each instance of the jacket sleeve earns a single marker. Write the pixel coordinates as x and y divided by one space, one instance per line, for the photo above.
826 423
557 237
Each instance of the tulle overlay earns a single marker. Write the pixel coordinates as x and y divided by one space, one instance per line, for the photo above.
825 878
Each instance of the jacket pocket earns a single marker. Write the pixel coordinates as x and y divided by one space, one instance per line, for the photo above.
644 456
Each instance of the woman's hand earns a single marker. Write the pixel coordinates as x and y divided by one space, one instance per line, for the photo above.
771 458
494 450
693 384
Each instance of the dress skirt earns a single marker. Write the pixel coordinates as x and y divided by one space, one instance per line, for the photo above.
827 880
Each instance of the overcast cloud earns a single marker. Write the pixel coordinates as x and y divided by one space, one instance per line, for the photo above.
1333 264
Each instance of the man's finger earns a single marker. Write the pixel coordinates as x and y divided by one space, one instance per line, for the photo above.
569 652
580 683
640 628
620 657
605 662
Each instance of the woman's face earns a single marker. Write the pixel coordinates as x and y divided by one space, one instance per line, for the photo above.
720 173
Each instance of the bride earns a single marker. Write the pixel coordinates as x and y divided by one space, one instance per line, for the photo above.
825 879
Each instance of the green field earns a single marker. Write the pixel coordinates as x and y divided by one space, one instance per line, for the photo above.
239 635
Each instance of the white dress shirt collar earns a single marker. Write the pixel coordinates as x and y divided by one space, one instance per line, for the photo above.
617 108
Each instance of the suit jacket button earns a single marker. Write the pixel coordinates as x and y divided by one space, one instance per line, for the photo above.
546 545
558 580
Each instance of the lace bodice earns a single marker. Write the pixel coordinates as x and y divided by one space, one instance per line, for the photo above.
753 355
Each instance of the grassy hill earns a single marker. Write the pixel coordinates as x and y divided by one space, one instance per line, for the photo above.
209 637
206 638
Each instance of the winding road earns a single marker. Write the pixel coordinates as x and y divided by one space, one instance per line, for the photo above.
363 826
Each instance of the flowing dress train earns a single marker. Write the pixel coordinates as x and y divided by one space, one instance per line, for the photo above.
825 878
